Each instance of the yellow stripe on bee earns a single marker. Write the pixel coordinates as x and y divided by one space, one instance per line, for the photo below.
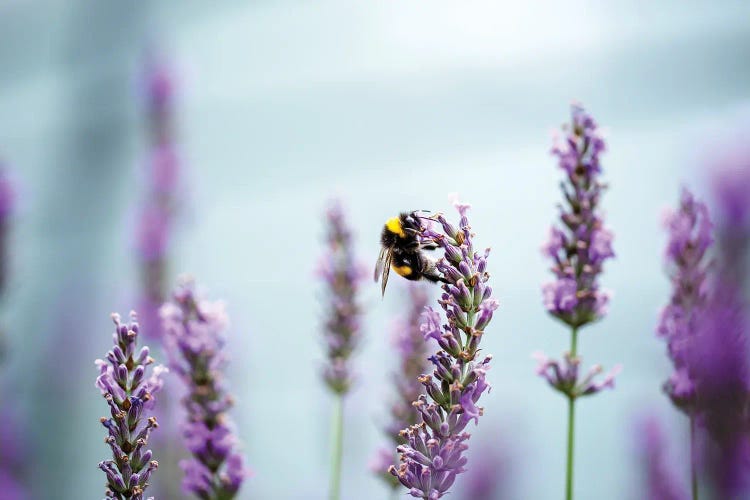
402 270
394 225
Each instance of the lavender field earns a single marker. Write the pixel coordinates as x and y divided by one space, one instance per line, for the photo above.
557 196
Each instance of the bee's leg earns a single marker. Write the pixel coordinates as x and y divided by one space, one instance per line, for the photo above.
429 246
434 276
429 271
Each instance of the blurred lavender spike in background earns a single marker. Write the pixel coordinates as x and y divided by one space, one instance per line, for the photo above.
718 365
660 479
690 235
433 454
342 276
195 341
489 476
730 180
14 454
717 357
7 206
411 348
129 391
158 210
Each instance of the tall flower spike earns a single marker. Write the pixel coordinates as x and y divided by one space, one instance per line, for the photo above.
718 351
157 212
7 205
690 237
578 247
433 454
412 353
342 276
194 334
129 391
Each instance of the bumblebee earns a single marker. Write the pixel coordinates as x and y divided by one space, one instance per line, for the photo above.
402 251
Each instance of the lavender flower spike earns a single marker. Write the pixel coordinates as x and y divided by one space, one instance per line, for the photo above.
160 207
129 392
690 236
194 331
433 454
342 276
578 247
412 351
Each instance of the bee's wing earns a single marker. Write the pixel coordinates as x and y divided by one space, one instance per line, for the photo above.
386 269
379 265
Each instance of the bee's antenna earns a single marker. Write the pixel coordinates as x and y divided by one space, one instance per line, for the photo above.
431 217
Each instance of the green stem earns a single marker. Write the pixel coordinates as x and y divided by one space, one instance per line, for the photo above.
337 432
571 424
693 471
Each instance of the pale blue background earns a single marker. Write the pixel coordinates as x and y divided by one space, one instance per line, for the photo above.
392 105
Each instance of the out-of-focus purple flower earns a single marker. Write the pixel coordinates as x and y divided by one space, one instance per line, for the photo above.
194 335
730 179
411 347
7 194
730 176
13 454
717 361
342 276
661 481
7 206
489 477
433 454
578 245
581 244
129 391
564 376
157 213
690 237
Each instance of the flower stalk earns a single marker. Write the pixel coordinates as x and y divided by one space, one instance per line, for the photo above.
578 247
342 276
129 392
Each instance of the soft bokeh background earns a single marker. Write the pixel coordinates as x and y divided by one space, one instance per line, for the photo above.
390 105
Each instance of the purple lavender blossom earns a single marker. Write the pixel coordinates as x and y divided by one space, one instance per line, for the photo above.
578 247
433 454
158 210
661 481
690 237
342 276
129 392
581 244
194 331
412 351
